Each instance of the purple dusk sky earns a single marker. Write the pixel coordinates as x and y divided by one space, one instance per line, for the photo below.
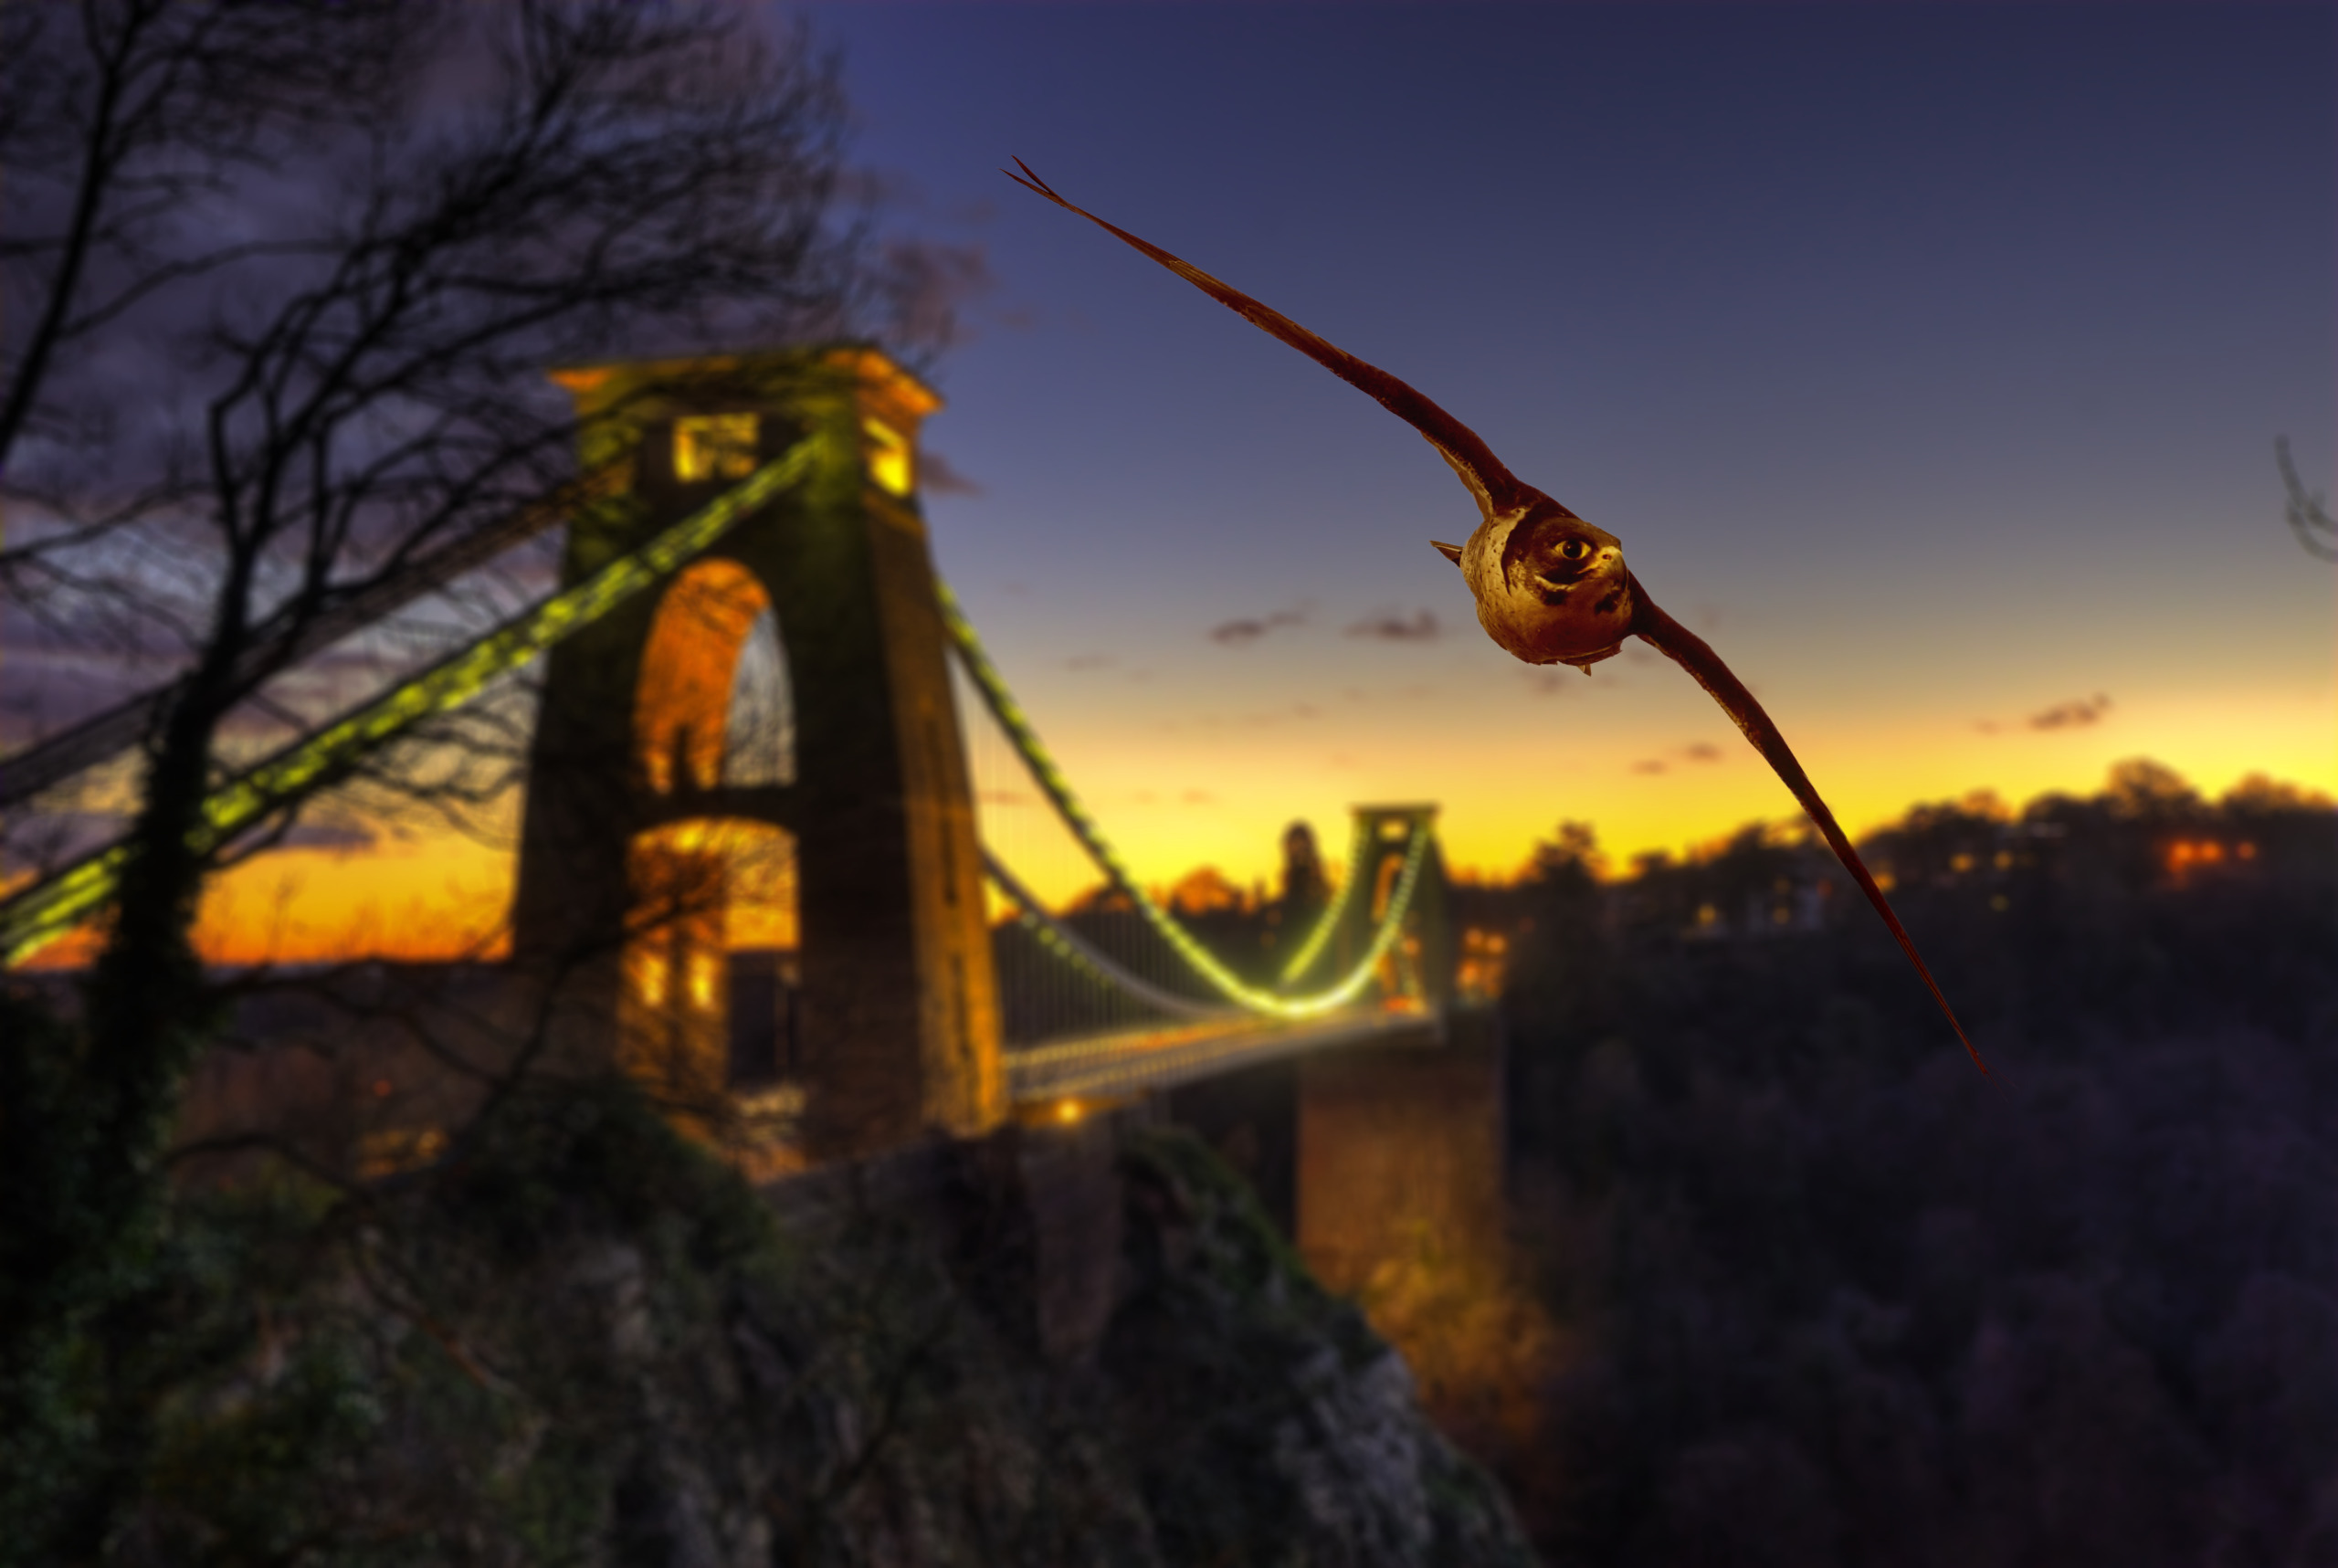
1928 358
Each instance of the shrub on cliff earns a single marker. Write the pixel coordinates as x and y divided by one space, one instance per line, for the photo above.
582 1338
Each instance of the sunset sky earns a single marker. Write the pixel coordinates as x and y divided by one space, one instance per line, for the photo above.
1927 359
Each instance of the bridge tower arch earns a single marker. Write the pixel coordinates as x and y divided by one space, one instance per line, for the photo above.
1418 968
636 806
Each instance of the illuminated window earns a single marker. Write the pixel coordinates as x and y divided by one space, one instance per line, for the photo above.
889 456
652 979
714 447
703 980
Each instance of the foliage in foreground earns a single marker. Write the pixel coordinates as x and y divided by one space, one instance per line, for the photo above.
582 1339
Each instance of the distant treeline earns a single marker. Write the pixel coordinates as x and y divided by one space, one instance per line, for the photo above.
1825 1295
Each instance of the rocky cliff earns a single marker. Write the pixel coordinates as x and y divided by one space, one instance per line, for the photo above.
581 1339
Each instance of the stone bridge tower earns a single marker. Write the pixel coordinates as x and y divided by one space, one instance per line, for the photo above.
650 817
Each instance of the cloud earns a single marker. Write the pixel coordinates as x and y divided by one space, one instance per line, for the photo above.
1198 798
2075 715
1298 713
1552 679
1390 626
936 476
1250 628
327 836
926 286
1087 661
47 839
1695 751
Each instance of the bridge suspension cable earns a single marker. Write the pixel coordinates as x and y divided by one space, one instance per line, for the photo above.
41 913
1188 947
1070 946
277 644
51 907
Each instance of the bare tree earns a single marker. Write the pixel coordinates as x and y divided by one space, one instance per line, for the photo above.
281 280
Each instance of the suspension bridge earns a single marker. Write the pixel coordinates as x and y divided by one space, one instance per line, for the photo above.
779 532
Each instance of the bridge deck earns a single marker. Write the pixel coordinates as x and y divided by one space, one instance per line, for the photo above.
1136 1060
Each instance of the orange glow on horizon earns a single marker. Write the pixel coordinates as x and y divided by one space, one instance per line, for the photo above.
445 898
420 901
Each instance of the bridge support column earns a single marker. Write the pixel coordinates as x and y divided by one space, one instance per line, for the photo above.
1400 1154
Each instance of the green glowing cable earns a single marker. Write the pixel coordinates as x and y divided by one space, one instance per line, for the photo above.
47 910
1067 946
1198 958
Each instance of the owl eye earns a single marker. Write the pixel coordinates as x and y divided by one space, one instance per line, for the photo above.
1573 550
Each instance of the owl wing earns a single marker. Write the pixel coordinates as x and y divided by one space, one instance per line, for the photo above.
1691 652
1497 490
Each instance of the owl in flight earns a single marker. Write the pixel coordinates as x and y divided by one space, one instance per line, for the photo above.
1550 588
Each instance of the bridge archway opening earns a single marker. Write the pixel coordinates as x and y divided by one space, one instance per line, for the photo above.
712 963
1399 973
715 705
759 747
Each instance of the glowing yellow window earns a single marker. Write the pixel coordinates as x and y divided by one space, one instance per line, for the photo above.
650 976
889 456
702 972
714 447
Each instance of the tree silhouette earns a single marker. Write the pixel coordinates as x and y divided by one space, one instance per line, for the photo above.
281 280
